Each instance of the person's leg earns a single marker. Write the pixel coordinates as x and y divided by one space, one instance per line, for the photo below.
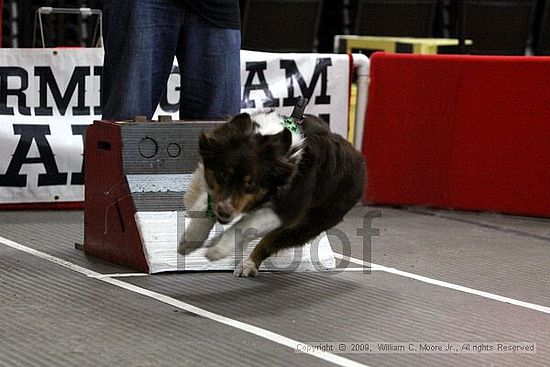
209 61
140 39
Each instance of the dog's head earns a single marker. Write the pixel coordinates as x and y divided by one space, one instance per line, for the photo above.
243 168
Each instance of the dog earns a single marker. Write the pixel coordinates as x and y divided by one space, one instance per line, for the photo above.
287 181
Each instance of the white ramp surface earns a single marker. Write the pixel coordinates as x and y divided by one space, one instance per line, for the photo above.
160 233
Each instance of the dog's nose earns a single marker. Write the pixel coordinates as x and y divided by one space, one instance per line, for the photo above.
224 212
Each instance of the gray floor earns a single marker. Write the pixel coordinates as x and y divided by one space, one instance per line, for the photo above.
56 314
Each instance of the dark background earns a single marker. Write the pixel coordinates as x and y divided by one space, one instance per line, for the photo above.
505 27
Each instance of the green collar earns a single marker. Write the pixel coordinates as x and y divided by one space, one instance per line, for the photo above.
290 123
209 210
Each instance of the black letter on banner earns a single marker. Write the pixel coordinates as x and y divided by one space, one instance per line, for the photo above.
325 117
47 79
5 73
164 104
98 71
28 134
292 72
254 68
77 178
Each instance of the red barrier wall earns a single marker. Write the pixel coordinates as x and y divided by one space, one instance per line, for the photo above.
463 132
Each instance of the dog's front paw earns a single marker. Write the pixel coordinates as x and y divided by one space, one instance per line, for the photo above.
246 268
221 246
194 234
217 252
186 247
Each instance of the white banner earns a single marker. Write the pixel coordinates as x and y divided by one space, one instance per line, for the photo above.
49 96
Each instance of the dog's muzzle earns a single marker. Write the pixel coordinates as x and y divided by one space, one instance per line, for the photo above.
224 211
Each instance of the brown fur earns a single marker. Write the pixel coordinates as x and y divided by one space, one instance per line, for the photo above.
310 191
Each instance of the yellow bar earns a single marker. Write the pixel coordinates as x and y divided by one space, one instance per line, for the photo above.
383 45
388 44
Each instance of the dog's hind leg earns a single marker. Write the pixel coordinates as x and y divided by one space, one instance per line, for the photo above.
255 225
318 221
270 245
249 267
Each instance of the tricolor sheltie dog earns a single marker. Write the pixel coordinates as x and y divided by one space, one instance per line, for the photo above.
285 180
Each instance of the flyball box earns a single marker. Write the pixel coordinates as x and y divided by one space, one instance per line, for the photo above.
136 176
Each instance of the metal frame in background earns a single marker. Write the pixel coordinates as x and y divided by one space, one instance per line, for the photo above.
513 39
84 12
362 69
368 10
254 25
10 19
1 15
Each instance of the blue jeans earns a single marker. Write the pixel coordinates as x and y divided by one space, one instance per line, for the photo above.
141 38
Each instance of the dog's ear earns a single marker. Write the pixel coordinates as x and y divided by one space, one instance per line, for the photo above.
208 145
281 170
242 123
285 139
274 149
275 145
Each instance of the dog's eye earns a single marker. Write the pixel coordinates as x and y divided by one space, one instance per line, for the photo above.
226 174
249 184
223 176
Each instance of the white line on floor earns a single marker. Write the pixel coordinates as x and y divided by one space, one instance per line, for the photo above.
251 329
441 283
340 270
53 259
119 275
132 275
319 271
